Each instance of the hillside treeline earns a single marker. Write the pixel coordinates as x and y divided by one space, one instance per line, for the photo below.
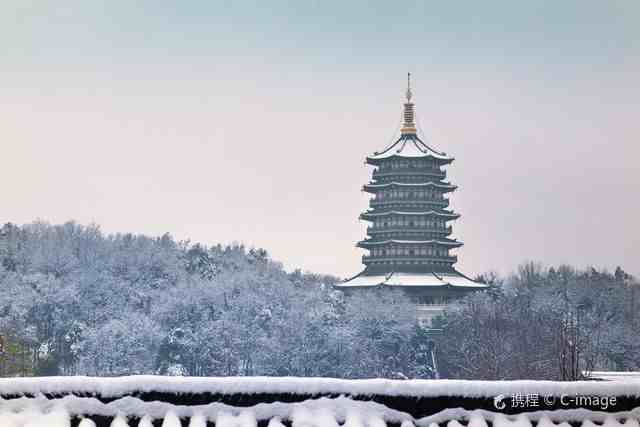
556 324
76 301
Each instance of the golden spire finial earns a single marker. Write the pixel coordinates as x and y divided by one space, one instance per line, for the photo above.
409 125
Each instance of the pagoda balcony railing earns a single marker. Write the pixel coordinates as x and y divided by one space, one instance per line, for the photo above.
381 173
408 202
366 259
404 203
439 232
313 402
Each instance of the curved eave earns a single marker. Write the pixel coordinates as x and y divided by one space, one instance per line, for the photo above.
454 280
443 186
409 146
375 161
364 215
442 242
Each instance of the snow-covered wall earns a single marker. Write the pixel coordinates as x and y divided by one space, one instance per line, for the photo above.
312 402
120 386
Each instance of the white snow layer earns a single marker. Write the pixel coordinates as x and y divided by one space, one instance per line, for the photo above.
224 415
122 386
415 279
306 414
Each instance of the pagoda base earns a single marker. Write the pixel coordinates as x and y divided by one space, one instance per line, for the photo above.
431 291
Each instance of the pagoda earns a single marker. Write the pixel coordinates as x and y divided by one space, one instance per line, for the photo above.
409 239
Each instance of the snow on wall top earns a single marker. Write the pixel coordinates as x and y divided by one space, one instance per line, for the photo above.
119 386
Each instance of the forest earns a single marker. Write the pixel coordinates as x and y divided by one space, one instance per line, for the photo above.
74 301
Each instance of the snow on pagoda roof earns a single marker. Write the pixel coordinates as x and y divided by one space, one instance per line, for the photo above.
432 279
446 242
410 146
364 281
455 280
459 280
412 184
430 212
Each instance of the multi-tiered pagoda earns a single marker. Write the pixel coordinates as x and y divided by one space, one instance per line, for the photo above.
409 236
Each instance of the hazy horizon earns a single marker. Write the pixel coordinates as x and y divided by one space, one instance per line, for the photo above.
244 122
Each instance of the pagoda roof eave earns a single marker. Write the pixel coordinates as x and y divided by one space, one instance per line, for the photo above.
444 185
392 212
452 280
441 242
409 146
374 160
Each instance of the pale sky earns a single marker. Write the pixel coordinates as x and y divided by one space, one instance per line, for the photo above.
250 121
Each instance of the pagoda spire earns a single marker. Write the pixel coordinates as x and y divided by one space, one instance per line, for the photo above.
409 124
